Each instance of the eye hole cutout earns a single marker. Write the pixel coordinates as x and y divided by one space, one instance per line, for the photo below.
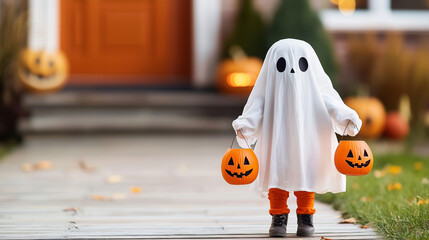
365 154
303 64
246 161
231 162
281 64
37 61
350 155
51 64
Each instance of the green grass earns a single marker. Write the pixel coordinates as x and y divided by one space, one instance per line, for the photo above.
6 148
394 214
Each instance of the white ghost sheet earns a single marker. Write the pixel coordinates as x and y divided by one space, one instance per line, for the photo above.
292 114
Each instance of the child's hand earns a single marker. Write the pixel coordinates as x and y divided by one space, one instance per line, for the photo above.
239 134
353 126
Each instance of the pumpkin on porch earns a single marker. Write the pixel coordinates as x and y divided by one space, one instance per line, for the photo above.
239 166
372 113
239 74
353 158
397 126
42 71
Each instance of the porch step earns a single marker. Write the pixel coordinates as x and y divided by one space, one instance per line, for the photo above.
89 111
120 99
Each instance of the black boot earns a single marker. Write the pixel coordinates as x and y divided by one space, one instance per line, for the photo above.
305 225
278 225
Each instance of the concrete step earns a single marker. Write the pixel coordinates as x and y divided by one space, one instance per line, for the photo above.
121 99
86 111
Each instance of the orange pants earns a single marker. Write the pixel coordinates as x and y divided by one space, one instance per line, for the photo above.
278 202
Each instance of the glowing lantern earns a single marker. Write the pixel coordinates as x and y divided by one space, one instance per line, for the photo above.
240 80
238 76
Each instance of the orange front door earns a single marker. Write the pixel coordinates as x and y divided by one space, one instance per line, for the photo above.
127 41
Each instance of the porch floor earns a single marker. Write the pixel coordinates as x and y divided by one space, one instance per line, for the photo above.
131 111
87 192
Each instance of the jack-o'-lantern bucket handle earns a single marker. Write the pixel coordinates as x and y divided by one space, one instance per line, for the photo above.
233 139
345 129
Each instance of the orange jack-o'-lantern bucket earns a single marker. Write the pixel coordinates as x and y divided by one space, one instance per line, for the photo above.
353 157
239 166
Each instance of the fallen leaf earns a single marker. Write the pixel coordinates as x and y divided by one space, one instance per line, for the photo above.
414 200
97 197
366 199
379 173
118 196
418 165
394 170
100 198
27 167
85 167
364 226
348 220
136 189
425 181
323 238
355 186
114 179
394 186
397 186
73 210
43 165
389 187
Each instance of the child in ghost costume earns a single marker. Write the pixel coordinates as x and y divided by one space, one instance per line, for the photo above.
292 114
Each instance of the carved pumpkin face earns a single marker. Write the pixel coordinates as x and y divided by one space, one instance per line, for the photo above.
353 158
42 71
239 166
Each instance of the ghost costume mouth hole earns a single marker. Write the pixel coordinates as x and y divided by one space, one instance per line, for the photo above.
358 165
239 175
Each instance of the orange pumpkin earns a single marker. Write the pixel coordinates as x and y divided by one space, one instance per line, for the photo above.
239 166
372 113
238 76
42 71
353 158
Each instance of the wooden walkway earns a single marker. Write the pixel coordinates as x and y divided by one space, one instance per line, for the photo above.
88 193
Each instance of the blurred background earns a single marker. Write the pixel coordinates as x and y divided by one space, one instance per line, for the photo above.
115 114
187 66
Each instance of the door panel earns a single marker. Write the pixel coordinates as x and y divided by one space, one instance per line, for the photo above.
144 40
